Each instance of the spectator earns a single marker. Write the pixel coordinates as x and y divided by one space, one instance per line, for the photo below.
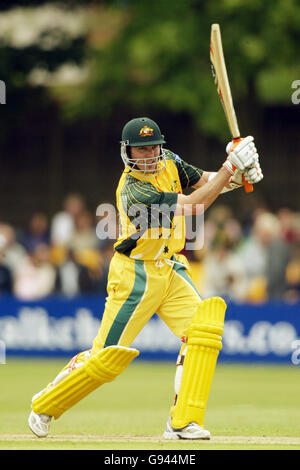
107 224
14 251
67 276
35 276
288 225
6 282
252 253
293 279
264 264
224 275
93 276
81 274
107 254
91 280
278 256
266 254
84 235
63 223
37 232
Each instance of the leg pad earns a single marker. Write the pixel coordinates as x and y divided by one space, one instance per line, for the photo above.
100 368
203 346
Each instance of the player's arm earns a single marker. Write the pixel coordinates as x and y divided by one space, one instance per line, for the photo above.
241 158
203 180
205 194
235 181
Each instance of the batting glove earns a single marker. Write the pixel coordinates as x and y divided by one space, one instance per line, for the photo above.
242 156
254 174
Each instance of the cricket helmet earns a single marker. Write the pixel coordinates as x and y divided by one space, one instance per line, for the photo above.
140 132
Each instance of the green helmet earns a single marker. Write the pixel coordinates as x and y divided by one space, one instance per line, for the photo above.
139 132
142 131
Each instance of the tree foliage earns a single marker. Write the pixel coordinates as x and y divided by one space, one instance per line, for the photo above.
154 56
31 40
160 58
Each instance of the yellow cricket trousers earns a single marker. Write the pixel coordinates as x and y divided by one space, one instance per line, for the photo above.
137 290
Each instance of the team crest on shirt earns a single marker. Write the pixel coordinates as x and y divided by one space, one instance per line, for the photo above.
146 131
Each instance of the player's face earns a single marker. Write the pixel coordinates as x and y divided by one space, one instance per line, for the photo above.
146 157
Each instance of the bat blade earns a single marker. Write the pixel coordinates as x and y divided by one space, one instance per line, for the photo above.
221 79
220 75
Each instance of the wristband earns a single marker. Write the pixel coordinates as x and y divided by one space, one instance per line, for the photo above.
229 167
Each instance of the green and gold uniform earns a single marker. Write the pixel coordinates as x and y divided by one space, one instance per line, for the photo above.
146 274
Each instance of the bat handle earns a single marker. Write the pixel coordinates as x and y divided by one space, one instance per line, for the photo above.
247 186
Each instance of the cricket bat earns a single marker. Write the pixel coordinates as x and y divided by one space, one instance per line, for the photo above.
223 88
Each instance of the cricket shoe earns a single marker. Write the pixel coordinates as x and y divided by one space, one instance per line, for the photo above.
191 431
39 424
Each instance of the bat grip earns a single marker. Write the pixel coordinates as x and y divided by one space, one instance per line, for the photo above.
247 186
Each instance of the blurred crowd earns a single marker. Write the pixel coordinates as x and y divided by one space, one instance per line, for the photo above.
251 262
60 256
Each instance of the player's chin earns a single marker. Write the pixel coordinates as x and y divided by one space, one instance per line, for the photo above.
149 169
152 168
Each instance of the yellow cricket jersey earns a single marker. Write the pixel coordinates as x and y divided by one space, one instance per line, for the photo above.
149 229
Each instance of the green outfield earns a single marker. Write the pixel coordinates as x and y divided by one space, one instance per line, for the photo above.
250 407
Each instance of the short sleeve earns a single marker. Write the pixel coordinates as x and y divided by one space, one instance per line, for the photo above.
188 174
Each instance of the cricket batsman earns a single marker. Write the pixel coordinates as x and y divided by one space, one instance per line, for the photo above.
148 276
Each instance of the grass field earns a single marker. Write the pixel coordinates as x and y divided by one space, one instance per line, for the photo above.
250 407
